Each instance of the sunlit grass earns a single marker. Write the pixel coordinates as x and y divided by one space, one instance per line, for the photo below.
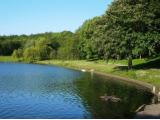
8 59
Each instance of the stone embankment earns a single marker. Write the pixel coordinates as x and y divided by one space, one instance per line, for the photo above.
150 111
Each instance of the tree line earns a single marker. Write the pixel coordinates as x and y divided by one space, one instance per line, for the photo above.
129 29
40 46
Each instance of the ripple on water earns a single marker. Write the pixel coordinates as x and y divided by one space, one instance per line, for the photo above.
38 91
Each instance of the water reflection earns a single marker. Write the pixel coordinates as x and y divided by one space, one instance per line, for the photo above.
91 90
38 91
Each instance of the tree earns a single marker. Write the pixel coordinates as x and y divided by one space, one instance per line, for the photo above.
31 54
129 22
91 42
55 46
18 53
7 46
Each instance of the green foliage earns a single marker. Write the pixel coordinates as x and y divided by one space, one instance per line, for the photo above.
41 51
41 46
91 44
132 33
128 29
31 54
18 53
7 46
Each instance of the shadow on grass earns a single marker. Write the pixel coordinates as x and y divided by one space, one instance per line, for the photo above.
151 64
154 63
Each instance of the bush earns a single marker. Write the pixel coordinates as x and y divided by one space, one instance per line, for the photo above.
18 53
37 53
44 52
31 54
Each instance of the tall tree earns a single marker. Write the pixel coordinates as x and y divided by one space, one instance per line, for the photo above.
132 27
90 34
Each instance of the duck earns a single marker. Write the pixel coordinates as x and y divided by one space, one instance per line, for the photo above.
83 70
110 98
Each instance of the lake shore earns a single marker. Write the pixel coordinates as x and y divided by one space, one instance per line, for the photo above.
143 76
53 84
147 112
102 68
137 76
108 75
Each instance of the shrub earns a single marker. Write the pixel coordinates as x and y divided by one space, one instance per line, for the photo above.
18 53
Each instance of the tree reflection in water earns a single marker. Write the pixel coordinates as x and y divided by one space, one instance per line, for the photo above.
91 87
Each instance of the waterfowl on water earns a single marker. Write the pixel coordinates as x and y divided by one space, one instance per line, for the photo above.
110 98
83 70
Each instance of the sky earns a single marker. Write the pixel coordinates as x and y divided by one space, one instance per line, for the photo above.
39 16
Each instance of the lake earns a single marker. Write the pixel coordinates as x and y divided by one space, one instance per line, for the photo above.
41 91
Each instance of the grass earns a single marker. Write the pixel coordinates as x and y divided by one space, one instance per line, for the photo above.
125 62
147 71
8 59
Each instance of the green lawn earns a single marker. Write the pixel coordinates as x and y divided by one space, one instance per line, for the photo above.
8 59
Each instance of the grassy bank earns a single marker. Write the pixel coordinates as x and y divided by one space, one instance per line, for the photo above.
146 71
8 59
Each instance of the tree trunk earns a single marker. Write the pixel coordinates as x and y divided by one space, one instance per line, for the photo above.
130 62
106 58
140 56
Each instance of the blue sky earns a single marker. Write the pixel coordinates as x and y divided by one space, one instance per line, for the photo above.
38 16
